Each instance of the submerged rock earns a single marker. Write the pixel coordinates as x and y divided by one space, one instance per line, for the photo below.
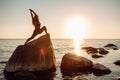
86 48
102 51
73 63
117 62
99 69
90 50
36 56
96 56
4 62
111 46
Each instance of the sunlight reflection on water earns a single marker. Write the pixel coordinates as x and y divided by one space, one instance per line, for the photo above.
77 45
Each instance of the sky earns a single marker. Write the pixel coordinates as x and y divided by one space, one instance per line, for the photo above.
103 17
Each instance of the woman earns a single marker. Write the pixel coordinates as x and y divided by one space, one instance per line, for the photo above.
37 24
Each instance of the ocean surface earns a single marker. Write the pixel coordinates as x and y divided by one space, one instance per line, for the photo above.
63 46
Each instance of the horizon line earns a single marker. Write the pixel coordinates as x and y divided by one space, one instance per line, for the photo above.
55 38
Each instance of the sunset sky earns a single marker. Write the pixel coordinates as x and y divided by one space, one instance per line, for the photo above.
103 17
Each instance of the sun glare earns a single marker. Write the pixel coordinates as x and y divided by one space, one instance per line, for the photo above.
77 29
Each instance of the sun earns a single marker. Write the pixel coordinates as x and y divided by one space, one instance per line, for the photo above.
77 29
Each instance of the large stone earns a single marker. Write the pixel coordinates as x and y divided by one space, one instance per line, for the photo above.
36 56
72 63
99 69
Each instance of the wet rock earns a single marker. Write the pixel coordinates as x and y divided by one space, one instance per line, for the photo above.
73 63
117 62
99 69
96 56
115 48
36 56
111 46
79 78
102 51
90 50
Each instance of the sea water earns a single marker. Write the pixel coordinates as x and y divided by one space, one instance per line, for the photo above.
63 46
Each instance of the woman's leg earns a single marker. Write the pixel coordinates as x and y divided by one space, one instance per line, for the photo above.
33 35
36 32
44 29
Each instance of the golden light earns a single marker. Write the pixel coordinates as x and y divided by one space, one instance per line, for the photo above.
77 29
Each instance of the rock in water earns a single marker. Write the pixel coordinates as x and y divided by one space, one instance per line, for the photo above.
96 56
90 50
111 46
99 69
36 56
102 51
73 63
117 62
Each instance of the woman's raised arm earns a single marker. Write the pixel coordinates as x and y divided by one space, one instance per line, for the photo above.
33 12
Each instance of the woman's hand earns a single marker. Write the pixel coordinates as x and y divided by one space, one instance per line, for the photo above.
31 10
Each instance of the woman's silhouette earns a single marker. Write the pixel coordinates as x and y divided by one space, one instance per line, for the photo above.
37 24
